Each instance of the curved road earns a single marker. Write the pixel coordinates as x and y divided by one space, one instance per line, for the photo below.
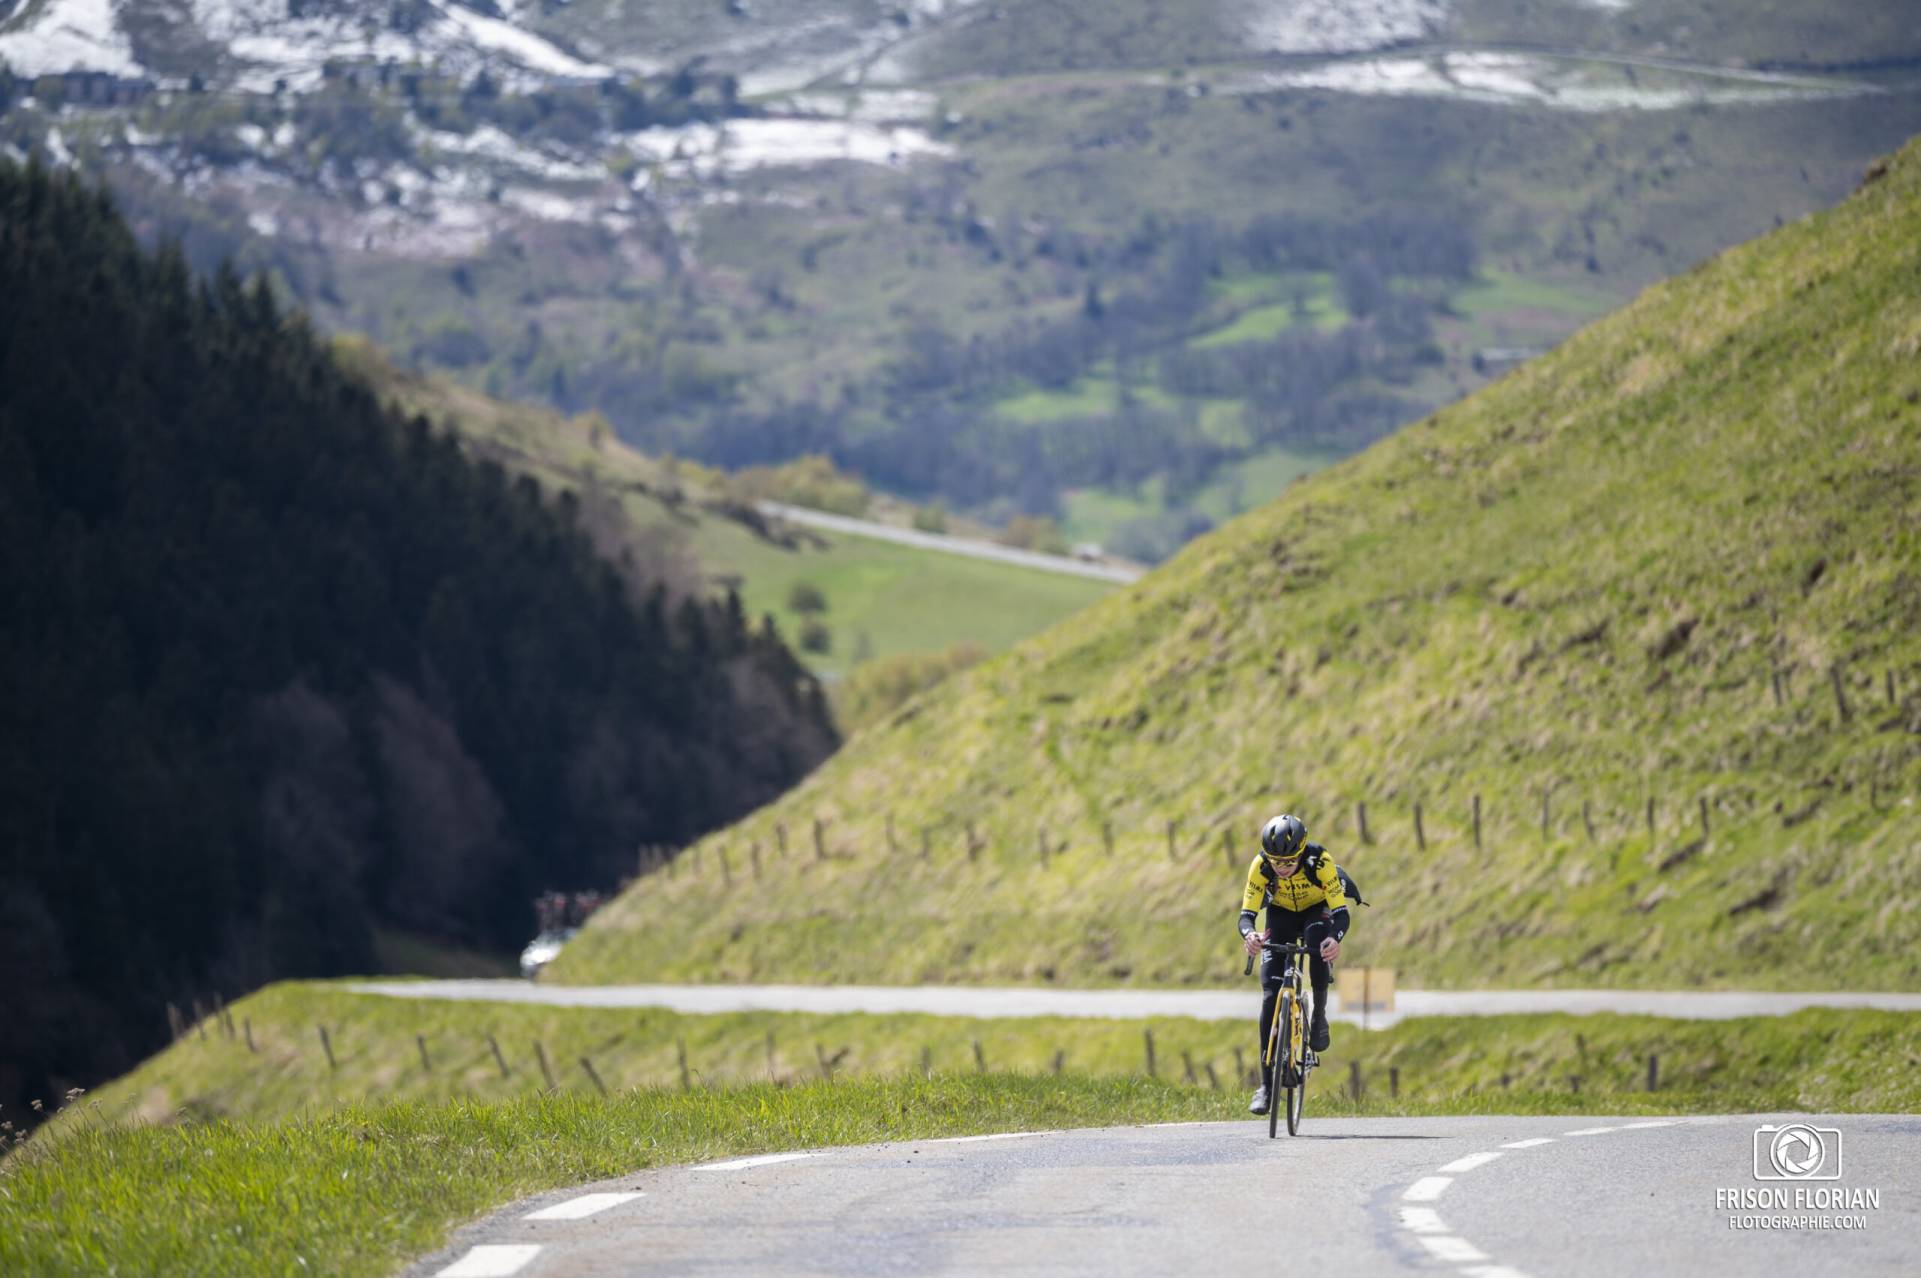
1122 1004
1486 1197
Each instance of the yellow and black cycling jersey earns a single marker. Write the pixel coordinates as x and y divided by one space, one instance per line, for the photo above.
1297 892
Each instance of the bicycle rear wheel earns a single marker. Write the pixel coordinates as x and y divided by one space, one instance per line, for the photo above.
1296 1065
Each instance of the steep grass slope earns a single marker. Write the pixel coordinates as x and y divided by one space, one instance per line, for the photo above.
1672 568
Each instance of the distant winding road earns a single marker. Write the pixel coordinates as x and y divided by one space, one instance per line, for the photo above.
1122 1004
1480 1197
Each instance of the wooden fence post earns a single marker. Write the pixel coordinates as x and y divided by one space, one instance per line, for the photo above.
753 854
1587 821
327 1046
1213 1079
1187 1068
1703 801
1060 1059
1354 1081
1892 699
980 1058
926 1062
247 1026
1774 677
973 845
1650 816
594 1075
546 1070
1360 821
820 841
726 869
420 1041
1840 697
174 1024
1654 1071
499 1058
1546 793
826 1066
1477 820
200 1020
1420 835
780 841
1107 837
1172 855
687 1075
1394 1082
1151 1071
1040 837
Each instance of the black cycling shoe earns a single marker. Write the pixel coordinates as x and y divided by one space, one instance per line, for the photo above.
1317 1033
1259 1104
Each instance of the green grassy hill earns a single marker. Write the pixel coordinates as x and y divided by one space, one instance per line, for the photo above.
884 600
1672 569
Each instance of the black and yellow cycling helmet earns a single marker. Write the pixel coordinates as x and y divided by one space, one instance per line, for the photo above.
1282 837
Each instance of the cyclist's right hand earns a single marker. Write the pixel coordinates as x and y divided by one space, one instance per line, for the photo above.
1254 941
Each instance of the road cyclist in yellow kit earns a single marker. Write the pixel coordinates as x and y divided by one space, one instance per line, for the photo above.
1306 898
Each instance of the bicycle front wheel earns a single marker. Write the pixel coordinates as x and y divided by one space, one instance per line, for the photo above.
1278 1065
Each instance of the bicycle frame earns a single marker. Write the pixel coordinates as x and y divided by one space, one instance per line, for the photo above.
1286 1061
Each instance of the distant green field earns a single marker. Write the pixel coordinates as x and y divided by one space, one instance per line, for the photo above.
884 599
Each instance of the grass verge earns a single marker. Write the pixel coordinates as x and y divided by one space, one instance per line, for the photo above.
284 1164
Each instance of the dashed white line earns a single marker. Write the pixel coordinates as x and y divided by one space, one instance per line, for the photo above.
1422 1220
1635 1127
1472 1161
1591 1131
1492 1271
1448 1247
1529 1143
580 1208
1427 1189
492 1261
761 1160
968 1140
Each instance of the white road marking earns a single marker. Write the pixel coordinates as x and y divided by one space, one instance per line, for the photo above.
1665 1122
1448 1247
763 1160
1529 1143
1427 1189
1422 1220
965 1140
1470 1162
580 1208
1492 1271
1591 1131
496 1261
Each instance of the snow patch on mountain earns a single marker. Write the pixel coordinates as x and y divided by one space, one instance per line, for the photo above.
1342 26
70 35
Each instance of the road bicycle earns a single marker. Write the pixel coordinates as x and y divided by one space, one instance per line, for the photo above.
1286 1059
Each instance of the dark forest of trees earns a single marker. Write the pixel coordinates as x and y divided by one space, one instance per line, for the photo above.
278 669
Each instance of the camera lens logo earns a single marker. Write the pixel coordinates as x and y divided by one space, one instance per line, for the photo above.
1797 1151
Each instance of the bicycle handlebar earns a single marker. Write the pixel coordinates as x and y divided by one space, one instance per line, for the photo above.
1275 947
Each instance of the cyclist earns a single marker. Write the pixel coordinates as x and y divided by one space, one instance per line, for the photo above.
1306 901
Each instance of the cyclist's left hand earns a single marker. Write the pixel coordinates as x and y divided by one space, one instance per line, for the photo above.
1330 949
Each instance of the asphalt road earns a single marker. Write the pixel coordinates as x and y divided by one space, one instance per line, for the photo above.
1100 571
1487 1197
1205 1005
